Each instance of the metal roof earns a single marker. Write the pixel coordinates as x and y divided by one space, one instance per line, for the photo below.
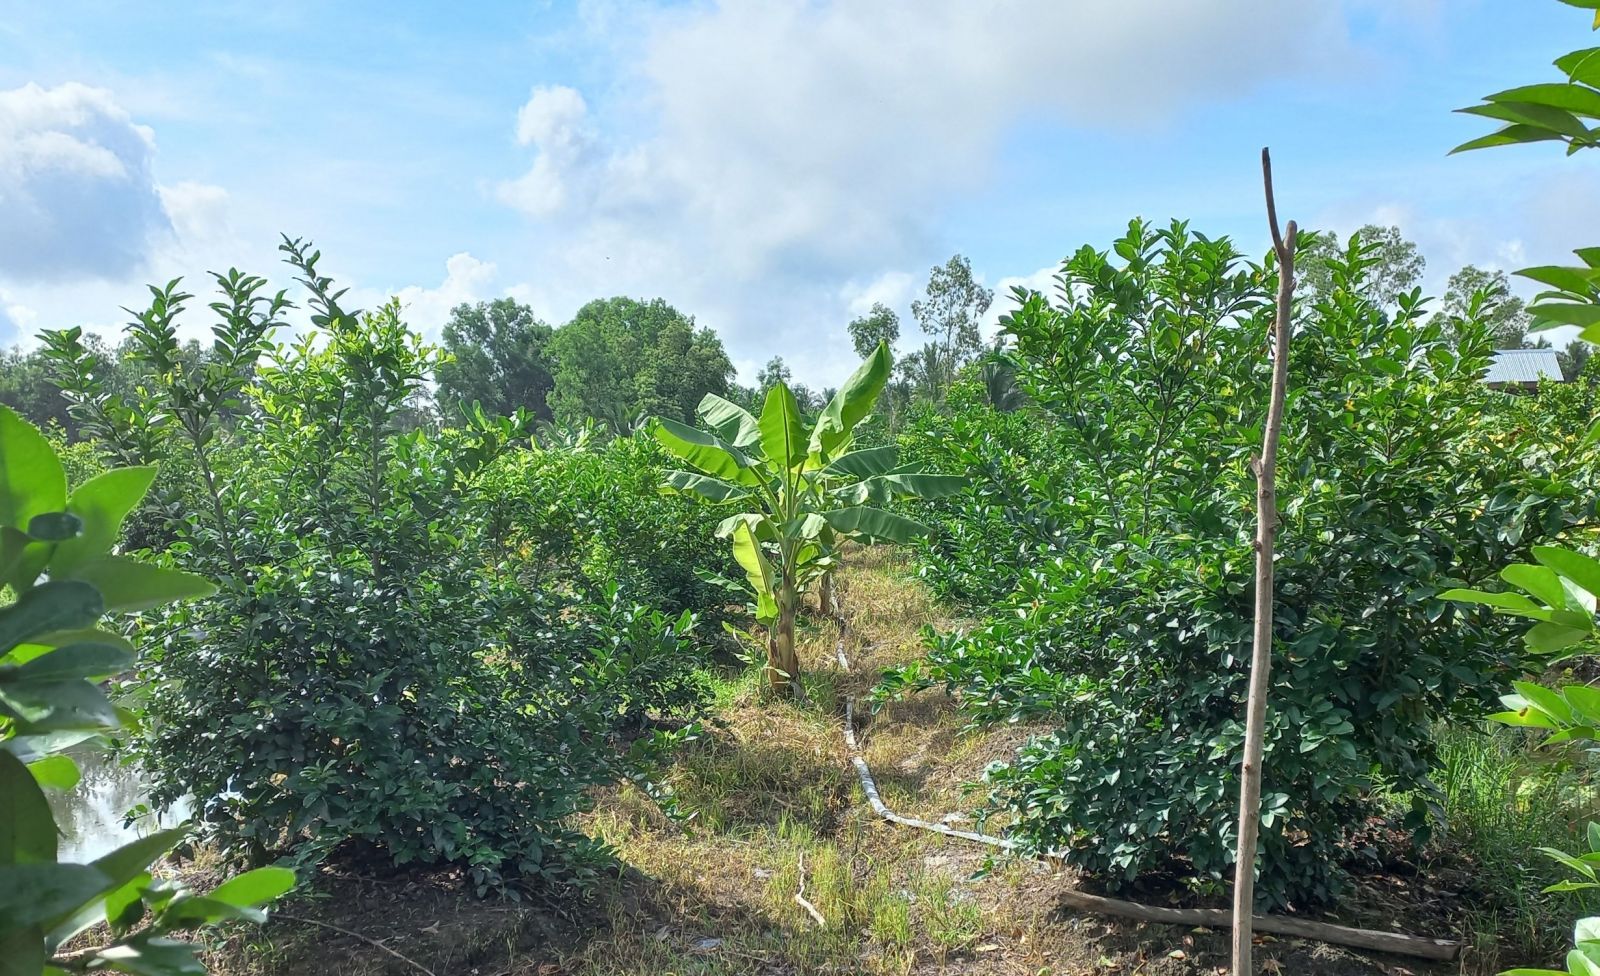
1523 366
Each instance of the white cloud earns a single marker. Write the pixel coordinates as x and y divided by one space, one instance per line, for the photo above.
198 211
465 281
77 194
798 145
892 288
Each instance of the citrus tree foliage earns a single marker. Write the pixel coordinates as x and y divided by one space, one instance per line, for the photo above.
380 677
497 356
1127 494
1396 268
620 360
806 488
60 577
591 515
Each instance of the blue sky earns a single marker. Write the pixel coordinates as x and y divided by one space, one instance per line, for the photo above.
771 168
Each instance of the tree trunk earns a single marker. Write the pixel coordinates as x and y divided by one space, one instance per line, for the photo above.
826 595
1266 469
783 666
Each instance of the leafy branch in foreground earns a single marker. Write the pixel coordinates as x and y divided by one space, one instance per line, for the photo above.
810 491
53 655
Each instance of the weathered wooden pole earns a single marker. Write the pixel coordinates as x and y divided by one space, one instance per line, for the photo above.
1266 469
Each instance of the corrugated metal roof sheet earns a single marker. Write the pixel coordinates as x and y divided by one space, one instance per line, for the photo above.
1523 366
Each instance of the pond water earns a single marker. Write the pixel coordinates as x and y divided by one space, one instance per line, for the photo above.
91 815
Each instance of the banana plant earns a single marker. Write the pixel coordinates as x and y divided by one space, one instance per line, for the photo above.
806 491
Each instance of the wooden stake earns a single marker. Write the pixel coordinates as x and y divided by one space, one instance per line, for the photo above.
1266 469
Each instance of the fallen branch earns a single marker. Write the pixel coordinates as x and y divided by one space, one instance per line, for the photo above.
1393 942
800 896
357 935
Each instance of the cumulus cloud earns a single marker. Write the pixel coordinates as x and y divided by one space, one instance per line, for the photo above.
466 279
797 145
78 197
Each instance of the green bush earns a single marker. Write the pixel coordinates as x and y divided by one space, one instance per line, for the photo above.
593 516
1131 626
383 676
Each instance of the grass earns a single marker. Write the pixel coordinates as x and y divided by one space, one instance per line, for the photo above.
1503 798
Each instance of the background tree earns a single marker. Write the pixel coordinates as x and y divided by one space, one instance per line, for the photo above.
949 312
621 358
1398 268
500 358
881 324
1504 313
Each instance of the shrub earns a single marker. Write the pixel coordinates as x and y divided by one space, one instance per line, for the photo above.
1131 627
381 676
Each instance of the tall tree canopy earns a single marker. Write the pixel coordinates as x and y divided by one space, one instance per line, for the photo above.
620 358
949 312
881 324
1399 268
501 358
1502 311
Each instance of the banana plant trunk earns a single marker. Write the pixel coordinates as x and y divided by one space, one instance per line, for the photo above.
783 665
826 596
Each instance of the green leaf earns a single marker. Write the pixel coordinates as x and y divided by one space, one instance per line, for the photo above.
1580 314
27 828
1545 700
732 422
68 704
57 605
152 956
31 893
760 525
54 527
1585 701
747 553
1541 581
874 524
863 463
254 888
927 485
73 661
705 486
1509 135
1548 638
1514 603
129 586
102 502
22 952
853 402
1581 66
1576 280
705 451
32 481
55 772
1578 99
783 437
1579 568
1532 114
